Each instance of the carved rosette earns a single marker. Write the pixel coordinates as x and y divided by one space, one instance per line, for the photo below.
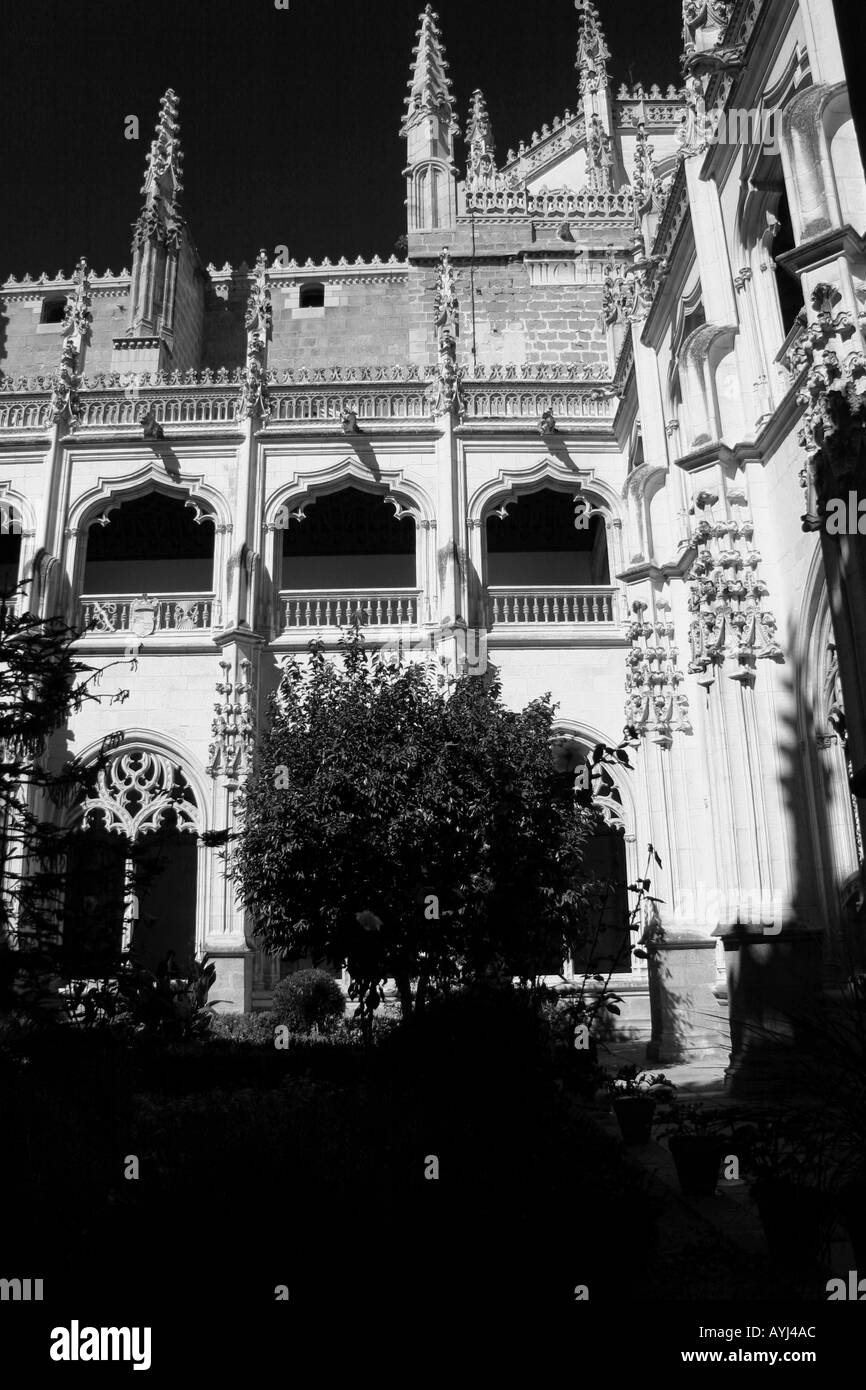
254 398
446 392
233 730
656 705
833 433
727 596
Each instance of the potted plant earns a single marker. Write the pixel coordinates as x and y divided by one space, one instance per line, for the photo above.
634 1096
785 1160
694 1137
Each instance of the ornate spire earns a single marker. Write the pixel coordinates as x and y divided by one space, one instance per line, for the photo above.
160 219
592 50
429 86
481 161
166 157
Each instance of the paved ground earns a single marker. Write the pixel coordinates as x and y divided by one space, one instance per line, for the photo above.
692 1226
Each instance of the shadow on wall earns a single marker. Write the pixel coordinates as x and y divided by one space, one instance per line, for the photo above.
775 980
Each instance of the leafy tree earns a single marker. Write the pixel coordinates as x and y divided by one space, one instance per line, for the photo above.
410 831
42 681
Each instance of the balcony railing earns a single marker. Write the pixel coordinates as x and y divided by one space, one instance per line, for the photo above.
313 608
540 605
147 614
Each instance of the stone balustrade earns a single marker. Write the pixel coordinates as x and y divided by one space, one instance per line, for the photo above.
540 605
315 608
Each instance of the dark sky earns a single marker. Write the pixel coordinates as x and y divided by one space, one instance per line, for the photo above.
289 119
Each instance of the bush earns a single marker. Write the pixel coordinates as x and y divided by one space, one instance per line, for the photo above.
308 999
253 1030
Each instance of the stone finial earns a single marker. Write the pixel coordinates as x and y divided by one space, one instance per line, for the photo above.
592 50
166 156
430 91
481 159
479 129
160 219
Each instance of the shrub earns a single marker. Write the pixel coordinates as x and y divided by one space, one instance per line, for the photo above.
308 999
254 1030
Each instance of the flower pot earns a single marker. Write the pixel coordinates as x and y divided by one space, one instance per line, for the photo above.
792 1216
635 1116
697 1158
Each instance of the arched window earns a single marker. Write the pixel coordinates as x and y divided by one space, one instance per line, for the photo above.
605 859
10 549
151 545
533 540
312 295
131 877
346 540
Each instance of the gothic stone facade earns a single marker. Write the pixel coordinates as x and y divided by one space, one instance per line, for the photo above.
650 314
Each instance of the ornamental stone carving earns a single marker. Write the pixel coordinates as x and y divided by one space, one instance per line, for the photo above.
233 730
833 433
254 398
727 596
656 706
446 391
136 791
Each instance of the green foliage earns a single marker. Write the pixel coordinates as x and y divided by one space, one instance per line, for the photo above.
411 832
251 1030
308 999
41 682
